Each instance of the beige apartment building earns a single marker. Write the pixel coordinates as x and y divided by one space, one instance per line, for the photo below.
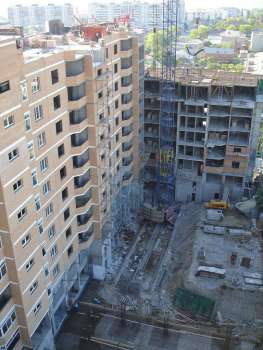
70 132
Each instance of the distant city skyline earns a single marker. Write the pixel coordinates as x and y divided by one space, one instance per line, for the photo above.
190 4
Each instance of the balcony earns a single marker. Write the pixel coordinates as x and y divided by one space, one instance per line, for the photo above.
218 126
5 296
236 139
84 218
126 44
86 235
151 133
82 159
80 138
214 163
126 115
215 153
240 127
151 147
81 201
126 146
127 176
152 105
74 68
126 98
82 180
151 120
75 93
126 62
126 81
43 335
126 130
77 116
126 161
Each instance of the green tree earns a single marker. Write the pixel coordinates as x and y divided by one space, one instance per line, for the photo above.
199 33
246 28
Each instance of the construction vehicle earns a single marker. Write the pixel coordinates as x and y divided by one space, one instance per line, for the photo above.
217 204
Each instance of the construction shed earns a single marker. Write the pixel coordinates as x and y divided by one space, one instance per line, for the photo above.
193 305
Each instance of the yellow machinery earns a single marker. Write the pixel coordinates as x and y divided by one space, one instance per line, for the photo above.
215 204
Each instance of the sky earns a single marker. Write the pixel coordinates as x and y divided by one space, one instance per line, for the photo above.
190 4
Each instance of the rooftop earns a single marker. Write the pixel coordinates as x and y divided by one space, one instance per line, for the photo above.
205 77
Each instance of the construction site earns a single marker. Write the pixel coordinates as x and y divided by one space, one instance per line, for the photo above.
186 263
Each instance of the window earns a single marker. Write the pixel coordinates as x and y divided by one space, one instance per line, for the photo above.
18 185
56 270
70 250
54 76
100 94
38 112
66 214
27 121
33 287
53 251
35 85
13 154
46 270
115 50
68 232
40 226
115 68
30 148
51 231
116 103
56 102
2 270
37 202
64 194
59 127
26 240
34 177
61 150
63 172
29 264
46 188
7 324
235 165
9 121
49 209
44 250
41 139
117 137
116 86
5 86
23 88
37 308
237 149
22 213
44 164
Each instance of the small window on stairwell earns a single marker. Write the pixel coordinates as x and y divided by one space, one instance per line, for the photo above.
235 165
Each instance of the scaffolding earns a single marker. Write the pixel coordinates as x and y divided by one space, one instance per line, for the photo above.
166 174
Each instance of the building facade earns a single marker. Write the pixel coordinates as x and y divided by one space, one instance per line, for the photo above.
143 15
217 117
70 129
37 16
